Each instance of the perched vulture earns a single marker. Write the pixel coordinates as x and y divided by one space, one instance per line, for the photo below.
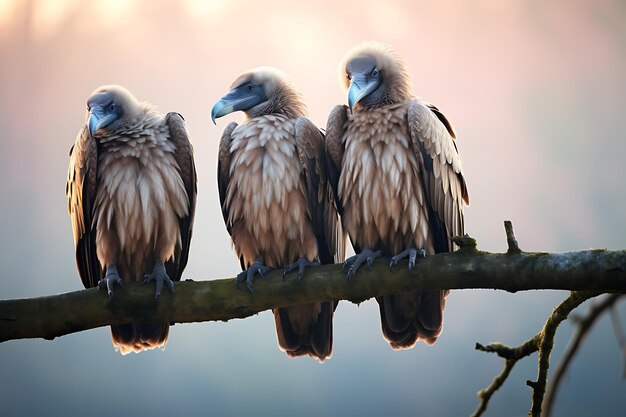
276 200
398 180
131 189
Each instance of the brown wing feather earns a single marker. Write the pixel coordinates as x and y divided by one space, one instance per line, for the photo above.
223 175
335 129
185 160
312 155
80 190
433 142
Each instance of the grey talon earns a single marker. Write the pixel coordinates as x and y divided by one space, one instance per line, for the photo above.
111 278
160 278
300 265
411 253
257 267
366 256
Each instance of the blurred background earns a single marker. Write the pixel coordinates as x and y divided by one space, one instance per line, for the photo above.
536 91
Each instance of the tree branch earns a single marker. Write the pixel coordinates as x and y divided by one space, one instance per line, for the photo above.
542 342
584 326
53 316
546 342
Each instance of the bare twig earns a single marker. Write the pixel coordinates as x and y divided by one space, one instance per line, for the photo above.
511 356
584 325
542 342
546 343
510 238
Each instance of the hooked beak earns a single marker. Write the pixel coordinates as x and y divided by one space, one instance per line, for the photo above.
360 87
236 100
98 119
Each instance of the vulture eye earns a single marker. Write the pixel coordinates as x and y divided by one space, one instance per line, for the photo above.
112 107
375 72
249 87
349 76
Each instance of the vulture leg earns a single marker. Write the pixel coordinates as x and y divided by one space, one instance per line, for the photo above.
160 277
410 253
257 267
300 264
355 262
111 278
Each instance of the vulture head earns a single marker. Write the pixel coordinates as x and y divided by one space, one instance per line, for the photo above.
259 92
111 107
374 76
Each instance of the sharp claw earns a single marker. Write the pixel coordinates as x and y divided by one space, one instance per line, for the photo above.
110 279
393 262
411 254
348 263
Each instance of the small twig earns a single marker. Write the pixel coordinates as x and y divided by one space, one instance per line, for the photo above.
485 394
542 342
511 356
510 238
559 314
584 325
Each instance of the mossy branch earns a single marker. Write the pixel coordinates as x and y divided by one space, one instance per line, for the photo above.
193 301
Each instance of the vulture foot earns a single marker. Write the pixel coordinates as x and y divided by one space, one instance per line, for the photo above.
160 277
111 278
353 263
300 264
410 253
257 267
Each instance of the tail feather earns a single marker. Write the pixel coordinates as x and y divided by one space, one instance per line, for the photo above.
306 330
409 318
137 337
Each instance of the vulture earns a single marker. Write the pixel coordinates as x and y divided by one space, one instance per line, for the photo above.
276 201
398 182
131 191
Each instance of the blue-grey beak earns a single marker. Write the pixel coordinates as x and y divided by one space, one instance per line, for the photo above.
243 97
221 108
360 87
99 119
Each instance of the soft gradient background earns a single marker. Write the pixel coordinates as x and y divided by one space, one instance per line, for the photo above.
536 91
